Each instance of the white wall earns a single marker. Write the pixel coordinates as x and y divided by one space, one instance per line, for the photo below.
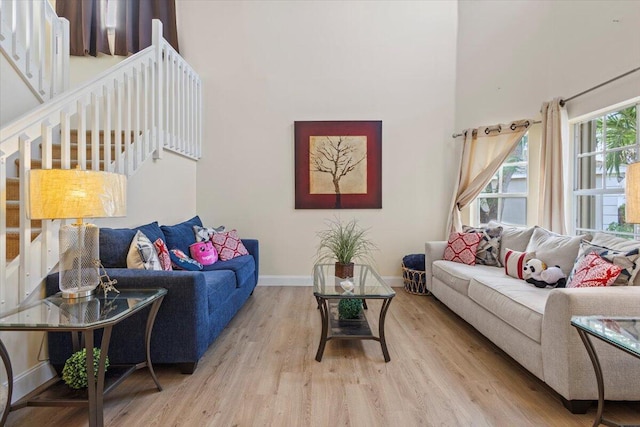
15 96
265 65
513 56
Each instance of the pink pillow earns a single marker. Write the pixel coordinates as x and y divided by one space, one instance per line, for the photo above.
594 271
163 254
228 245
462 247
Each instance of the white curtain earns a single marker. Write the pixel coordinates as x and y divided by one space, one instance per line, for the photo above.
484 150
551 196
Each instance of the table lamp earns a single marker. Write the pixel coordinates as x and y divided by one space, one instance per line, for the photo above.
75 193
632 210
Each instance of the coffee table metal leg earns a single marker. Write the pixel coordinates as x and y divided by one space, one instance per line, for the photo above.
7 400
383 342
147 338
598 370
324 314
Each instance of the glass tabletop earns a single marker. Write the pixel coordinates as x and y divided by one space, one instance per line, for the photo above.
56 312
623 332
365 283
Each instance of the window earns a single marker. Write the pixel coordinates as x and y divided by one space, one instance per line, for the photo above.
504 199
604 146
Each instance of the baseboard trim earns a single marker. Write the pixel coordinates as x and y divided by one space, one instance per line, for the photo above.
393 281
29 380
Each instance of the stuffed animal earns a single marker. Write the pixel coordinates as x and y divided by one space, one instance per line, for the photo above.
538 274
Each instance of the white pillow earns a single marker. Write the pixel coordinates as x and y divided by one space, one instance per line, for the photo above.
142 254
514 238
556 249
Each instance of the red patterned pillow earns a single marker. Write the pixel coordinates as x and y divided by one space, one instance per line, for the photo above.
462 247
163 254
594 271
228 245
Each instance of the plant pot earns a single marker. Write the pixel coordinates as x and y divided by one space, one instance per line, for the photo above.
344 271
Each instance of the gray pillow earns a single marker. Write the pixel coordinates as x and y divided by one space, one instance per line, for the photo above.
556 249
488 252
514 238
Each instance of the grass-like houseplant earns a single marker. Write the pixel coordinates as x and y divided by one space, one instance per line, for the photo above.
344 243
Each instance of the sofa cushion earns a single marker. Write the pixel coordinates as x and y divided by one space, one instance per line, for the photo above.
142 253
627 260
457 275
518 303
115 242
555 249
220 284
243 267
180 236
462 247
593 271
228 245
515 238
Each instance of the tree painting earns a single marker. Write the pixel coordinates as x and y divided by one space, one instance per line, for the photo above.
338 165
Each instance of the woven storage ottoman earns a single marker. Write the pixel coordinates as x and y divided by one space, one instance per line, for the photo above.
413 274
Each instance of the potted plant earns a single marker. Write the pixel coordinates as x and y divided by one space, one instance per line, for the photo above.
343 243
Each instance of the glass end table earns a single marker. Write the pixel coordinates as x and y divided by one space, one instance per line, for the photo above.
366 284
81 317
622 333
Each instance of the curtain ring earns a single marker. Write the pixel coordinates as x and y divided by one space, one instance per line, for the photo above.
513 126
486 131
499 128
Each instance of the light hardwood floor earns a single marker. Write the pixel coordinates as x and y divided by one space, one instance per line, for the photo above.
262 372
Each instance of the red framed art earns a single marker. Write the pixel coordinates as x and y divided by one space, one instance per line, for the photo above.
338 165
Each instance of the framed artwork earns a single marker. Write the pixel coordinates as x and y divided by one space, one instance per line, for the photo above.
338 165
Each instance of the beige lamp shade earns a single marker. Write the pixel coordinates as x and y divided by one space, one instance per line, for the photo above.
75 193
632 211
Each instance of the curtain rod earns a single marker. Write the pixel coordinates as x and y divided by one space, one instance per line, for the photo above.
564 101
498 128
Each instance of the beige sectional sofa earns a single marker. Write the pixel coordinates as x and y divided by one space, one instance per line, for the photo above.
532 325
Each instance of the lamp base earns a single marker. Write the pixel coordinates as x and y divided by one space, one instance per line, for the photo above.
79 248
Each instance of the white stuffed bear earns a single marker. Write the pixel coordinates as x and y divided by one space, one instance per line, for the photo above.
538 274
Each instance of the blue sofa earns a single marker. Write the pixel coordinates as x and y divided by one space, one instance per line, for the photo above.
197 307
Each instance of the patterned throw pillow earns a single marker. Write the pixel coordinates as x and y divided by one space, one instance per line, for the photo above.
462 247
142 254
627 260
163 254
203 234
514 261
594 271
488 252
181 261
228 245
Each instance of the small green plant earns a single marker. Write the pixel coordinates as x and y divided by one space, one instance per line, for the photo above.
74 372
344 242
349 308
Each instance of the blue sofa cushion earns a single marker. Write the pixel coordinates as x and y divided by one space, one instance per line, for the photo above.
180 236
243 266
220 284
115 242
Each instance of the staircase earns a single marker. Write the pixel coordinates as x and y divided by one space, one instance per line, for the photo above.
131 113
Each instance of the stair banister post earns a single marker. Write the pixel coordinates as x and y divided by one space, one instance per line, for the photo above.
25 222
63 59
157 41
3 230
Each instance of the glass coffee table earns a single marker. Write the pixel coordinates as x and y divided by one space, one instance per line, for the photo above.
81 317
620 332
367 284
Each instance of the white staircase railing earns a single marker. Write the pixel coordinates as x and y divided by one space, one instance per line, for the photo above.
149 102
36 42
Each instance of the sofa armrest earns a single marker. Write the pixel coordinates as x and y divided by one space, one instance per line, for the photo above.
566 364
253 247
433 251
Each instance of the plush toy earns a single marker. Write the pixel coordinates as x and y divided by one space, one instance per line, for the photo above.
538 274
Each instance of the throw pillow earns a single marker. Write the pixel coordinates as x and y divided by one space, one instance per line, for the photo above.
228 245
142 254
514 261
514 238
181 261
594 271
627 260
617 244
203 234
555 249
462 247
488 252
163 254
180 236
